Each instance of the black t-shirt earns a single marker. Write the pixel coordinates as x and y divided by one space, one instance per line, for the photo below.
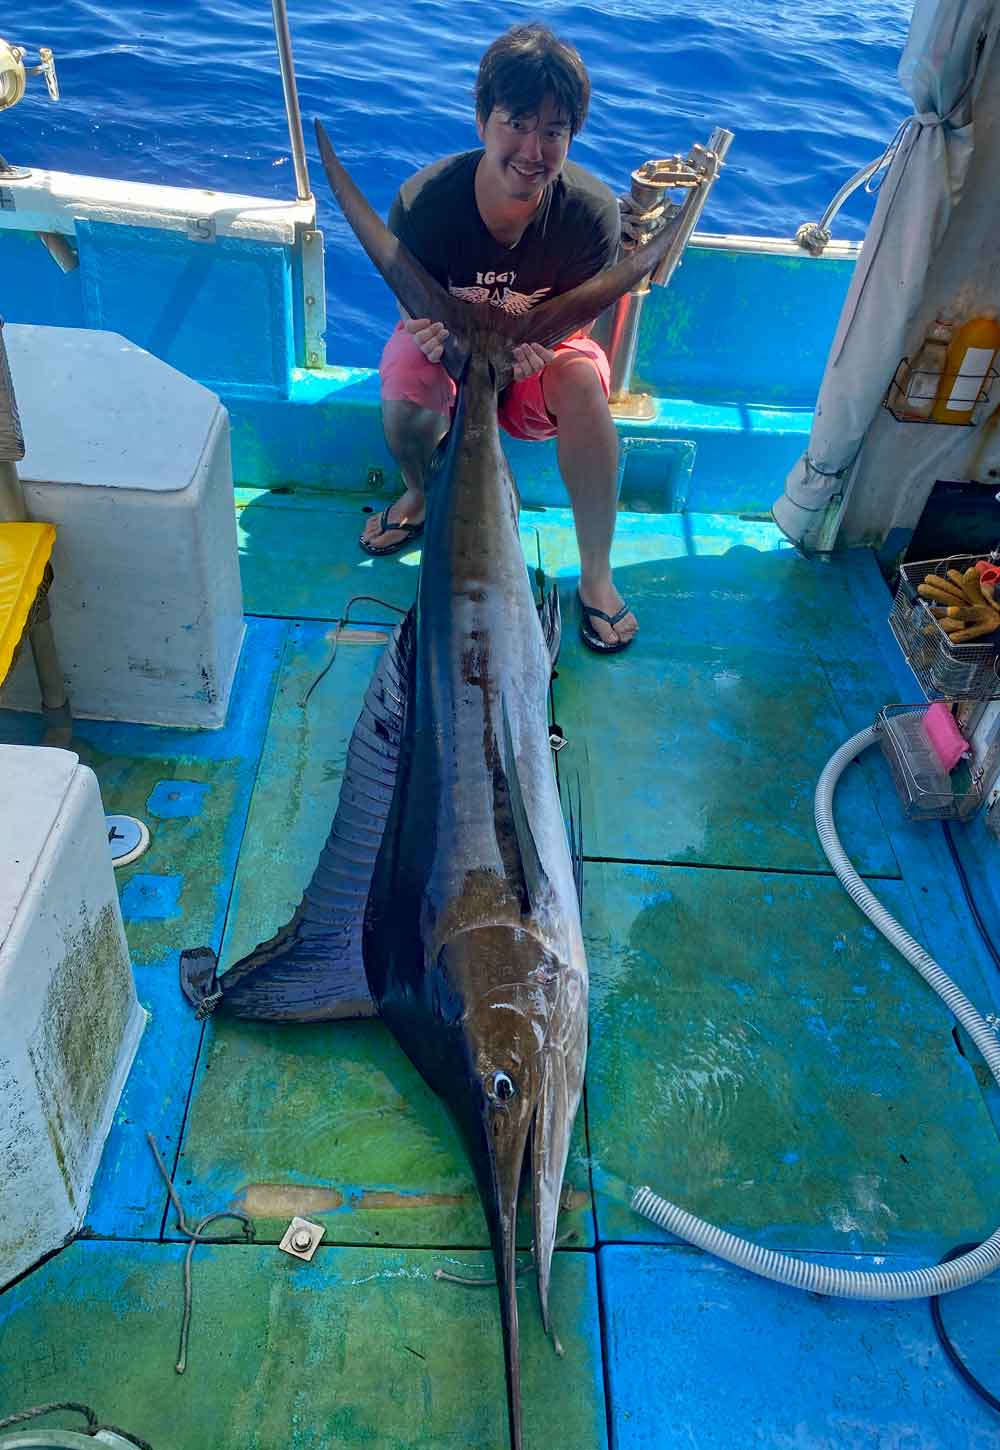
573 235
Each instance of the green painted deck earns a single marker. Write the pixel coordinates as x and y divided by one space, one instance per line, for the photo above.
757 1052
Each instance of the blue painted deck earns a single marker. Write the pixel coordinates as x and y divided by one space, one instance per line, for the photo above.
757 1052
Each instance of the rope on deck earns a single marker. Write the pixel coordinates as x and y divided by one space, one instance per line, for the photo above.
93 1424
196 1236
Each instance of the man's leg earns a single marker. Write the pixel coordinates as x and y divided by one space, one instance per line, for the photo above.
587 448
416 407
412 434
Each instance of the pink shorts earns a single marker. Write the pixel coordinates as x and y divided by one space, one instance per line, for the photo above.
408 377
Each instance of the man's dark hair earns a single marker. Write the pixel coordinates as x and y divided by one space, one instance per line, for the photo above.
524 65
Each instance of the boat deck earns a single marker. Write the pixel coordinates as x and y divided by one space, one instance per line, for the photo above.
758 1053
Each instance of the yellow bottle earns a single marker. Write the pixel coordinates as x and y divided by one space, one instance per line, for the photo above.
971 354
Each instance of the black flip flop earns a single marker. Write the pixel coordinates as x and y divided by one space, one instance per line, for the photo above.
590 636
386 526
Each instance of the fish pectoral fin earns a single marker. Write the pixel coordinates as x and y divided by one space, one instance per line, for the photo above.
312 969
536 880
550 1137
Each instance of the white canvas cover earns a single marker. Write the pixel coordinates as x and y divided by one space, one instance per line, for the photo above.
939 67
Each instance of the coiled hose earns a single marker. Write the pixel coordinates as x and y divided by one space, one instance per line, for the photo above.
970 1267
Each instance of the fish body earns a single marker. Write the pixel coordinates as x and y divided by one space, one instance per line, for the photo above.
446 898
473 948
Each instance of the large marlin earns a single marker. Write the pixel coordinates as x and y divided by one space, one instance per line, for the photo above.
446 899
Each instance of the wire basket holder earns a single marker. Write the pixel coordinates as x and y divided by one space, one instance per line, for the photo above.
900 391
926 790
946 671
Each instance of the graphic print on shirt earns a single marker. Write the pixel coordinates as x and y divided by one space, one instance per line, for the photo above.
493 287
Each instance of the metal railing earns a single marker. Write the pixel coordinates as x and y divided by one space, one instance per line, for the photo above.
283 38
814 236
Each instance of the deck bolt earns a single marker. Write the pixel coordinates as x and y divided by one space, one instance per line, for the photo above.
310 301
314 357
301 1240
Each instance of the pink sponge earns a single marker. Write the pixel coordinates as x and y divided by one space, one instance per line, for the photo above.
948 741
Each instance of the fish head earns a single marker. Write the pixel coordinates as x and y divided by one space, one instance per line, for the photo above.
508 984
505 1031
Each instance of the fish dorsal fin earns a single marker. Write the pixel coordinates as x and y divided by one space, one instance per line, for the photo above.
551 321
575 834
312 969
550 618
536 882
414 286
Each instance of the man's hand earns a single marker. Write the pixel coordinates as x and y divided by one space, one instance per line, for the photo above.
529 359
638 226
429 336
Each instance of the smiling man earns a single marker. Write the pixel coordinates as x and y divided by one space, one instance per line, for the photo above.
512 224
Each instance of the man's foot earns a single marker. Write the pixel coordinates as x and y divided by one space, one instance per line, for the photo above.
396 526
607 625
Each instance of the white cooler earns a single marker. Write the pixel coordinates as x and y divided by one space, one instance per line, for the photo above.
130 460
70 1021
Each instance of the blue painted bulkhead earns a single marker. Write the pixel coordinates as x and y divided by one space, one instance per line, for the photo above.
732 352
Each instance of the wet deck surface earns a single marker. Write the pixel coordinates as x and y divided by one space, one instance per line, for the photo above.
758 1053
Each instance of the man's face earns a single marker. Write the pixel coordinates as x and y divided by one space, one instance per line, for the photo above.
524 153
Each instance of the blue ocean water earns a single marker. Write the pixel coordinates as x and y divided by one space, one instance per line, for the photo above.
188 93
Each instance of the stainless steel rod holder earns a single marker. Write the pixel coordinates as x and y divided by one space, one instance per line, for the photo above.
284 40
623 341
718 145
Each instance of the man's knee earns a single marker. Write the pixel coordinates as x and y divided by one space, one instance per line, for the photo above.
572 383
408 427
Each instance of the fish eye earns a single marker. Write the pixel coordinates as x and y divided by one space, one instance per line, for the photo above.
501 1087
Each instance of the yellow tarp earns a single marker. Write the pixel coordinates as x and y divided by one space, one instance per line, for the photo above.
24 553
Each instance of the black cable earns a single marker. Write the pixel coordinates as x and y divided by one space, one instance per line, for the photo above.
342 622
934 1304
970 899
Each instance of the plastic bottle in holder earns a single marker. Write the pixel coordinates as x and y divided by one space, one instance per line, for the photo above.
970 357
923 376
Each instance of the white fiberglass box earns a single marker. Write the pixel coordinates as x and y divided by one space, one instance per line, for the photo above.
70 1021
130 460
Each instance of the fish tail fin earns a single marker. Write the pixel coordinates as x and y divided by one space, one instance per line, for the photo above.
413 285
554 320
